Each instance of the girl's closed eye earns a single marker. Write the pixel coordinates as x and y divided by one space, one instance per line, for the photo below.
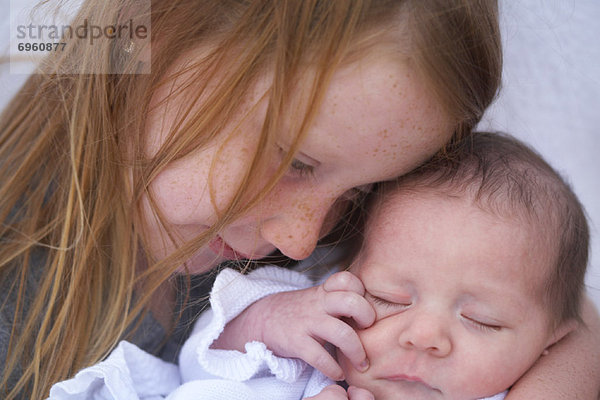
299 168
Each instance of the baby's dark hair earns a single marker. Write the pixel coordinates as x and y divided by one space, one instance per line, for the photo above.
505 177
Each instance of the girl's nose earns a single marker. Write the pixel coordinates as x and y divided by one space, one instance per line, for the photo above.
296 228
426 333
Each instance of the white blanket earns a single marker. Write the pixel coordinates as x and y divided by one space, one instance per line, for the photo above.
205 373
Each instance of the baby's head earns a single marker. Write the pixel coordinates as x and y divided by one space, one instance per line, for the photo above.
474 267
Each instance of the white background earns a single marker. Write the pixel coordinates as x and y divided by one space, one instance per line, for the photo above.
550 96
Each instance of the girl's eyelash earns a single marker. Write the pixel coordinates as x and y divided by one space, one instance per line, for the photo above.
302 169
298 167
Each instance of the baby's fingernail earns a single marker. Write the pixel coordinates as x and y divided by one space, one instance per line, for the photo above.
364 365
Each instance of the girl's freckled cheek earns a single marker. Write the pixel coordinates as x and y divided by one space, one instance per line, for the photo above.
307 216
308 212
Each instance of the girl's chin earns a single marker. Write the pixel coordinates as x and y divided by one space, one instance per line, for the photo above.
216 253
201 263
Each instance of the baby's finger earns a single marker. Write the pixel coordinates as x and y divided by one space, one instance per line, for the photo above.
315 354
342 336
355 393
331 392
344 280
351 305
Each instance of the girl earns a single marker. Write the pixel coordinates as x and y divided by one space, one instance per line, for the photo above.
259 122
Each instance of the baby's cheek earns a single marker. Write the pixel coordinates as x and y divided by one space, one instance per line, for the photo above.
353 377
485 370
365 380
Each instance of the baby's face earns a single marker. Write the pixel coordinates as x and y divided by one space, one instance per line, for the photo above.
456 294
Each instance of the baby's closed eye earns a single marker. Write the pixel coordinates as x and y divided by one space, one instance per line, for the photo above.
481 323
386 307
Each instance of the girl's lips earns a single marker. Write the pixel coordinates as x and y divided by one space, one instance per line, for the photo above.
219 246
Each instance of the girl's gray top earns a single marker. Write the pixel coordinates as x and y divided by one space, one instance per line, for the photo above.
150 336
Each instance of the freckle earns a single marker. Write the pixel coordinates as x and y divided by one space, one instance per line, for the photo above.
290 237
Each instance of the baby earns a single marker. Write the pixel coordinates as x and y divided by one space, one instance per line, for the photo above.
473 272
470 269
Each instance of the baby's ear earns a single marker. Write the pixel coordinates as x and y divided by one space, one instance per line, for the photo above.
561 331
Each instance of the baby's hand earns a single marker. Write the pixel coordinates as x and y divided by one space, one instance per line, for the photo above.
298 323
335 392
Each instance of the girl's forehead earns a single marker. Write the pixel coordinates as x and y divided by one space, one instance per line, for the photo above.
376 115
379 109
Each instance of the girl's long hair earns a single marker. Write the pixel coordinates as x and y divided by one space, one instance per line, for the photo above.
73 169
